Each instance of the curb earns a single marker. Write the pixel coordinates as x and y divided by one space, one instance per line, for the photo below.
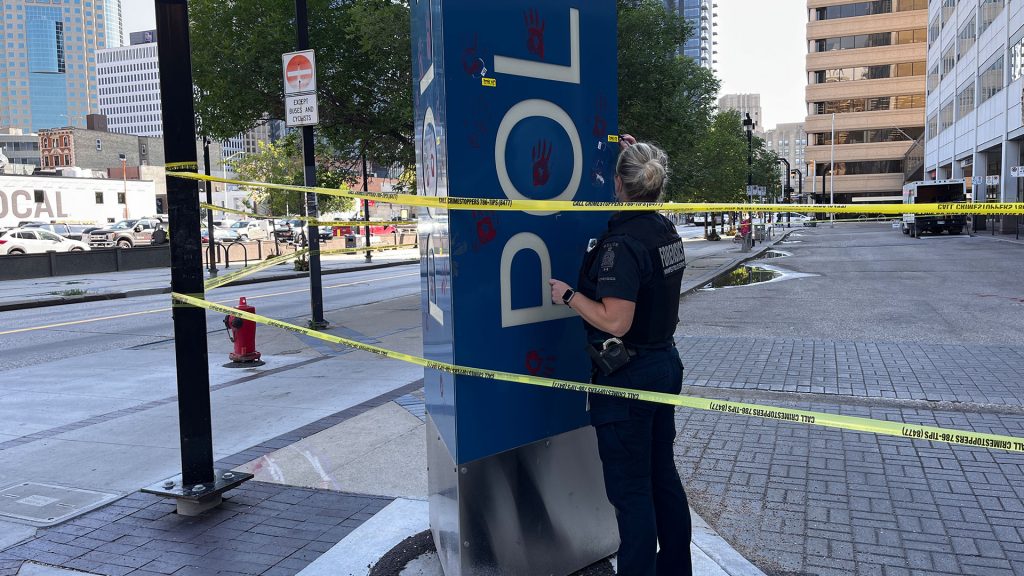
49 302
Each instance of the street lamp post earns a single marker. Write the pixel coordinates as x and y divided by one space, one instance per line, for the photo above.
800 191
124 181
211 248
749 125
832 174
789 186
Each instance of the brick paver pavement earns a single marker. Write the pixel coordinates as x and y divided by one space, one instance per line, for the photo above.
805 500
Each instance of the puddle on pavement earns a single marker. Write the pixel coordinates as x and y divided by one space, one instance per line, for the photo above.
743 276
791 242
774 254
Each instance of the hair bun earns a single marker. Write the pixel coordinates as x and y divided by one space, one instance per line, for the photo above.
653 175
643 169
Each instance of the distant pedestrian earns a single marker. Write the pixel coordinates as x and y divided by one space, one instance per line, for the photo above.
628 297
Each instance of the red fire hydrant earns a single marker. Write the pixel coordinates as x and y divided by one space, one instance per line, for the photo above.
243 334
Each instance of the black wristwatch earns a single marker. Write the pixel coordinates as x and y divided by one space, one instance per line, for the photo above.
567 296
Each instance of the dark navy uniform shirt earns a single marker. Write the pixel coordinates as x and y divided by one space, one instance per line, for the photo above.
640 259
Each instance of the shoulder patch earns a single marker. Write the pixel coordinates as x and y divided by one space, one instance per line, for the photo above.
673 257
608 259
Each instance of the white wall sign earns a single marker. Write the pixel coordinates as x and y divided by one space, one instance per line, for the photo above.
1016 171
300 103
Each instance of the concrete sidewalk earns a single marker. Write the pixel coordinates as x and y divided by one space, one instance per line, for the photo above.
40 292
334 437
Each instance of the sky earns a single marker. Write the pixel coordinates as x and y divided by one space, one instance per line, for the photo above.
761 49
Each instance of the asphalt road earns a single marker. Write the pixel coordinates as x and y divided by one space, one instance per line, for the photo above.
37 336
870 282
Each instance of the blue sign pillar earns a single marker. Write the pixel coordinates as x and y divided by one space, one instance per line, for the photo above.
513 100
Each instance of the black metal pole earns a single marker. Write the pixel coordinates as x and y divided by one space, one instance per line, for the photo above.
190 346
789 186
822 201
316 292
750 124
366 209
211 250
799 191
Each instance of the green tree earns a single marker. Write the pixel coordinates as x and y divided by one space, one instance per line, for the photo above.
364 76
722 156
664 98
282 163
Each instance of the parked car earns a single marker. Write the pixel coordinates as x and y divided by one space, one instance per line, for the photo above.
73 231
252 229
282 230
37 241
794 217
126 233
219 235
299 232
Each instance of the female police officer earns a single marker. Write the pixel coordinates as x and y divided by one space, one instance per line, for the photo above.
628 297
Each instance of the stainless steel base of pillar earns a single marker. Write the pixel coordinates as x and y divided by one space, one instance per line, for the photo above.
536 510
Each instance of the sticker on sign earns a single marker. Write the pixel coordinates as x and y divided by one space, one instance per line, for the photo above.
299 72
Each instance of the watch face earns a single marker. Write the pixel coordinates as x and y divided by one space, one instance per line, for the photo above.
567 294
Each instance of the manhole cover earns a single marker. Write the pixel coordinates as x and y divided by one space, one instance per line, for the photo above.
46 505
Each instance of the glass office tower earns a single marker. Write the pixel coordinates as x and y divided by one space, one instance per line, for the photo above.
48 61
703 17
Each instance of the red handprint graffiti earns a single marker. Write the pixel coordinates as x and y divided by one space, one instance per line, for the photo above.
539 365
535 25
485 230
471 61
541 162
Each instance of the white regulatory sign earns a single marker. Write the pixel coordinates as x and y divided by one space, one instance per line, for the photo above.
301 110
1016 171
300 103
299 72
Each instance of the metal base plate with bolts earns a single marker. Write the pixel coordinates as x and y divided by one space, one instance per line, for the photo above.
255 364
193 500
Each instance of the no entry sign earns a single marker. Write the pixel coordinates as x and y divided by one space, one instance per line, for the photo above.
299 72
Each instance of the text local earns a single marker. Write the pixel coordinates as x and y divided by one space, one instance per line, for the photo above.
22 204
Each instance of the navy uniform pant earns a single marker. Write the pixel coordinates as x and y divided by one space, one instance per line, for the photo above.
635 442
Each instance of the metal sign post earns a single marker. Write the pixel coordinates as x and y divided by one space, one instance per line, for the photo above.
301 110
200 486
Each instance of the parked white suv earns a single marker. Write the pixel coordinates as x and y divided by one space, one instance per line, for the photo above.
37 241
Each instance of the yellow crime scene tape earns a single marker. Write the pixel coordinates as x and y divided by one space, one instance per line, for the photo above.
853 423
504 204
314 221
271 262
250 270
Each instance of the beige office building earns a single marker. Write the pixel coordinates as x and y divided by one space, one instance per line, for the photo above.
744 104
866 66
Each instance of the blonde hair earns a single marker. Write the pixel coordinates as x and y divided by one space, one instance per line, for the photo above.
643 169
